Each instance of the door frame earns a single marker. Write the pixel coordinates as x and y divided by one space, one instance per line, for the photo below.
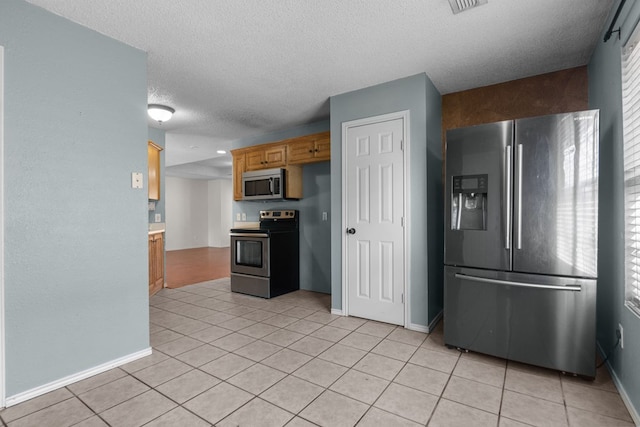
2 169
405 116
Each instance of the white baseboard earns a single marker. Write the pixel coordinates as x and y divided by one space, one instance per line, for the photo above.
435 321
62 382
418 328
623 393
426 329
337 311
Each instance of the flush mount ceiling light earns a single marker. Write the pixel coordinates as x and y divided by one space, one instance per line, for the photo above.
458 6
160 113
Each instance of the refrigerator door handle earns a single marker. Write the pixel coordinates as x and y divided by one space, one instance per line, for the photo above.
519 197
575 288
507 192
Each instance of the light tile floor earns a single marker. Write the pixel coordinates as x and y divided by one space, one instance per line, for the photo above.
228 359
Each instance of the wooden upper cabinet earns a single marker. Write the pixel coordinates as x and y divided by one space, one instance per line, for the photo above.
289 153
239 166
153 155
261 157
310 149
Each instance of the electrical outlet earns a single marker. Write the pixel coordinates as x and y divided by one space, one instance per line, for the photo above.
238 216
158 217
244 216
620 335
136 180
324 216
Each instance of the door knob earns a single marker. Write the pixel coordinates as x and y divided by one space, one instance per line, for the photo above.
351 231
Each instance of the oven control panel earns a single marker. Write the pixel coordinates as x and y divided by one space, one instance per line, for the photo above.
277 214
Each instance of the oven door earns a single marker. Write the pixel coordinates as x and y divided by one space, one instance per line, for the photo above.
250 254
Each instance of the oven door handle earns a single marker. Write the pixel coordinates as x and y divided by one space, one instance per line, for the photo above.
248 235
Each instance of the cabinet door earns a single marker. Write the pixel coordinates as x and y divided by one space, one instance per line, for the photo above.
255 159
309 149
156 263
266 158
238 168
275 157
322 147
301 151
153 155
152 265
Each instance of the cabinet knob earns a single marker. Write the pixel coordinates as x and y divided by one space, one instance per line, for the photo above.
316 150
311 151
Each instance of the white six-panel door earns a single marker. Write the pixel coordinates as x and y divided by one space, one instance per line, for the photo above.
374 175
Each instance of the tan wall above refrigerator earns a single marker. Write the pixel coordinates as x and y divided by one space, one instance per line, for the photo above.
552 93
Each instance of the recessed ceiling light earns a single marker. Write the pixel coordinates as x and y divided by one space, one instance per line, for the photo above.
194 147
221 152
458 6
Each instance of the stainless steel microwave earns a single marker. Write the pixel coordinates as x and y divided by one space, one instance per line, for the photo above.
266 184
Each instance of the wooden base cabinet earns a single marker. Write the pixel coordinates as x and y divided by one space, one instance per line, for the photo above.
156 262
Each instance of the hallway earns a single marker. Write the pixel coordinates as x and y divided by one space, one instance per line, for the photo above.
189 266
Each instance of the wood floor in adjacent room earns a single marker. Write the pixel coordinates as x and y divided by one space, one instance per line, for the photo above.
189 266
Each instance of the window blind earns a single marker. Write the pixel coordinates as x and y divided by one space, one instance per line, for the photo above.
631 137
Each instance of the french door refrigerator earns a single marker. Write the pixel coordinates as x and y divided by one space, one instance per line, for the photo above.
521 240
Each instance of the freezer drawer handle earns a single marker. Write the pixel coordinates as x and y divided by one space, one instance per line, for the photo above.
521 284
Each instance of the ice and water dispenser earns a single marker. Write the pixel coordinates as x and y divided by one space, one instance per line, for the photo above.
469 202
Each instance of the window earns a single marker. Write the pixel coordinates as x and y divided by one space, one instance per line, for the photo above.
631 128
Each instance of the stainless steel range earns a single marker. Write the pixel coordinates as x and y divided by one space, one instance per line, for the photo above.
265 261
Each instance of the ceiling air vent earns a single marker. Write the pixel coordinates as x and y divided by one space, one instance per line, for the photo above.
458 6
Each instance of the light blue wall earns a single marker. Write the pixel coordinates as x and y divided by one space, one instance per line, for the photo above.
418 95
315 241
158 137
605 94
76 284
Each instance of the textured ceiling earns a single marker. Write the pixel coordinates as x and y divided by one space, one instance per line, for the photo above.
240 68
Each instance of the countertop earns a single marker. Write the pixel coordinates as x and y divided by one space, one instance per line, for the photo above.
156 227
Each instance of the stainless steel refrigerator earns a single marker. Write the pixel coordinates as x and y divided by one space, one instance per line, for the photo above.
521 240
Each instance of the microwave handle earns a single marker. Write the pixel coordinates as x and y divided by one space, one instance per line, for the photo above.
271 185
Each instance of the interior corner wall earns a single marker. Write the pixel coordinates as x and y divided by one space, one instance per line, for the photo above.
158 138
220 196
76 271
418 95
605 94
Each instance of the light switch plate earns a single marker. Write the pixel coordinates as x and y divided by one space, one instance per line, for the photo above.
136 180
